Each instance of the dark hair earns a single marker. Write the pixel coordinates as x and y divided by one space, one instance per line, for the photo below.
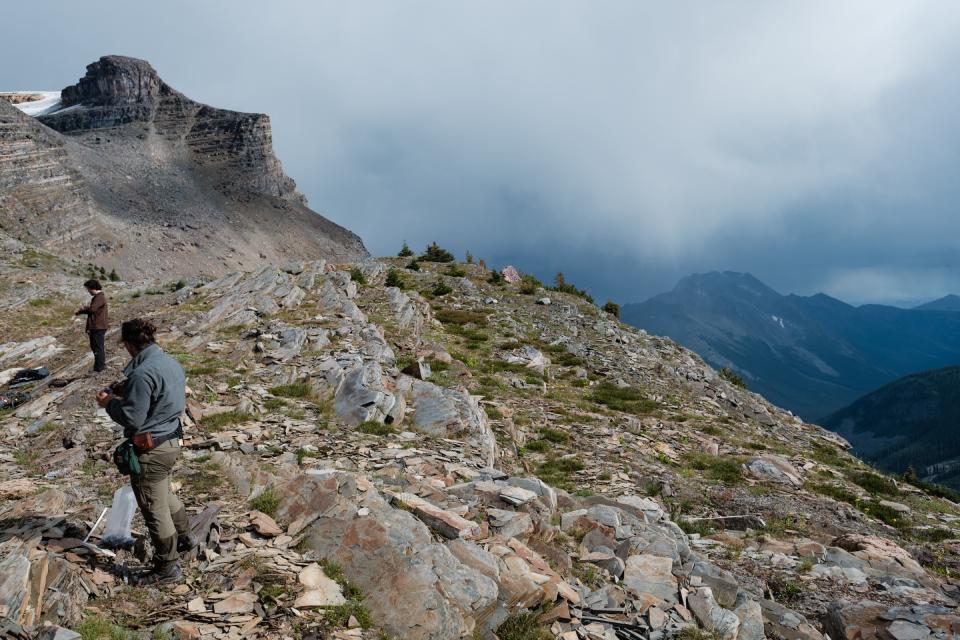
139 332
92 284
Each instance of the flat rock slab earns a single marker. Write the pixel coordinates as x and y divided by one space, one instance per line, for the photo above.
264 525
510 524
236 602
517 495
777 469
446 523
652 575
321 591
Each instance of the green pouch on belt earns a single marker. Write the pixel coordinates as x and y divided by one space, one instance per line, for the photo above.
125 457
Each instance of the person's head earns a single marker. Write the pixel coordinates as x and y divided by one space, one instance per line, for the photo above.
137 334
93 286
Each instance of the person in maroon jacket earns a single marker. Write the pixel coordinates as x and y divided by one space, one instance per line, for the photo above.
97 323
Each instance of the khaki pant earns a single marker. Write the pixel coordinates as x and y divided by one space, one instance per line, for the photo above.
162 510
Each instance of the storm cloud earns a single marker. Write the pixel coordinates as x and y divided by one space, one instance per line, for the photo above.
625 143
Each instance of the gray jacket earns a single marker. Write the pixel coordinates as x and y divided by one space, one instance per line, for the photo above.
154 396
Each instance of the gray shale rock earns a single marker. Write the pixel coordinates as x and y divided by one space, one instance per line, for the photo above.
711 615
869 620
771 468
778 621
722 582
416 588
363 397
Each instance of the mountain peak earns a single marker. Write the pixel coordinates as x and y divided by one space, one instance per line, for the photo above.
123 155
724 282
115 80
949 302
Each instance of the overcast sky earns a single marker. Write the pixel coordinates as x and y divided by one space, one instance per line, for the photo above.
626 143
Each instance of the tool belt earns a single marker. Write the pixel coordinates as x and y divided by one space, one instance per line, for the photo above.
125 455
147 441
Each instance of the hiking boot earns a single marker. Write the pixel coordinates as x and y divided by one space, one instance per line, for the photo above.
186 543
169 574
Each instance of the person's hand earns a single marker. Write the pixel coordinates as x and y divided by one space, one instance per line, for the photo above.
103 398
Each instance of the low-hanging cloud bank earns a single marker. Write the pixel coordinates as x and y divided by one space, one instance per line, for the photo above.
624 143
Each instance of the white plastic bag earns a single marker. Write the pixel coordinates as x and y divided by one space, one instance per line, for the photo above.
117 534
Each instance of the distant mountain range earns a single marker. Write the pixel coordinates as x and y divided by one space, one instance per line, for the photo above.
811 354
913 421
946 303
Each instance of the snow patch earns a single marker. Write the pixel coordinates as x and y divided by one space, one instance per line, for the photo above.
779 320
48 103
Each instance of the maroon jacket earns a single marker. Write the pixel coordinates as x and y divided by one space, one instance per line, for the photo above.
96 313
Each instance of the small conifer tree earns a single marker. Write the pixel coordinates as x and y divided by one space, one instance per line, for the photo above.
394 279
612 308
435 253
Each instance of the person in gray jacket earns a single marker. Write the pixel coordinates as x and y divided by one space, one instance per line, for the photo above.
148 406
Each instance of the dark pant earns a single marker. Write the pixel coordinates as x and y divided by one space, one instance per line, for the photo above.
162 510
96 345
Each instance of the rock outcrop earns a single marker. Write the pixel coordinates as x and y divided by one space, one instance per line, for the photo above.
128 173
621 490
118 90
43 194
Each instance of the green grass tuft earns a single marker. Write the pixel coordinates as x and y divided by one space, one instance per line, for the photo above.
98 628
293 390
625 399
559 472
374 428
875 483
339 616
224 419
726 470
461 317
357 276
554 435
266 502
523 626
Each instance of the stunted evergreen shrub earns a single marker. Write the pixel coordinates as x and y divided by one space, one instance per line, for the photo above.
394 279
435 253
612 308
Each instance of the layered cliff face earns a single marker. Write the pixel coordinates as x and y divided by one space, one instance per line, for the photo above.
129 173
118 91
42 192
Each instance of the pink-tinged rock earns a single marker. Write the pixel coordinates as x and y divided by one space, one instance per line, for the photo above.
809 549
517 584
656 618
882 554
475 557
236 602
568 593
415 587
17 488
510 274
446 523
264 524
184 630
